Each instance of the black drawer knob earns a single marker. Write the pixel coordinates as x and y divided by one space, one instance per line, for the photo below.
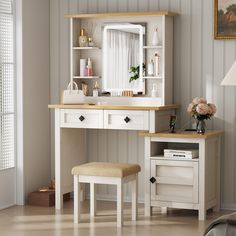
127 119
81 118
153 180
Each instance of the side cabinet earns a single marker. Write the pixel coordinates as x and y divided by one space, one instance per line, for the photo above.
179 182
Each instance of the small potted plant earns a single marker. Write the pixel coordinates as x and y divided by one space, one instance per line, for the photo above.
201 111
134 72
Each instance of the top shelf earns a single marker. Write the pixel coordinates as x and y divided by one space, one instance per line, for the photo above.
120 14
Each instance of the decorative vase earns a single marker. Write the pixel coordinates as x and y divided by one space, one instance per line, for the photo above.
155 38
201 126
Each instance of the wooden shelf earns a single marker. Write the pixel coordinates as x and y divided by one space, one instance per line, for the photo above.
121 14
86 48
152 77
152 47
184 134
162 157
87 77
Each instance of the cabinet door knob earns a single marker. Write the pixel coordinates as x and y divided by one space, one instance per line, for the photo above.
153 180
127 119
81 118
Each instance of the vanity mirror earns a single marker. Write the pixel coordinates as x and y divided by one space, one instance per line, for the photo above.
123 50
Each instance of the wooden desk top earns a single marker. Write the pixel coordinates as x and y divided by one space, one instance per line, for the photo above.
112 107
184 134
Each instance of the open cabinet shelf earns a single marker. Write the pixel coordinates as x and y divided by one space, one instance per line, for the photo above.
161 20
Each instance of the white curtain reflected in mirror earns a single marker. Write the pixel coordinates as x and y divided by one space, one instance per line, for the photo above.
122 53
122 49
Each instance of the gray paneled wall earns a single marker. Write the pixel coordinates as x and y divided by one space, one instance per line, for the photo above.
200 63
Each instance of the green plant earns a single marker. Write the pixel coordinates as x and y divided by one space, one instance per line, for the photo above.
134 71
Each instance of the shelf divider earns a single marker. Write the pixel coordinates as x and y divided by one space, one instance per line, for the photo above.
86 77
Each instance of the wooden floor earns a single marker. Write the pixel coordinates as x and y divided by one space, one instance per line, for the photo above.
35 221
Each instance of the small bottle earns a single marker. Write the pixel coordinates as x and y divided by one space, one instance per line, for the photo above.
155 38
150 69
83 67
90 42
154 90
89 68
83 39
85 89
95 89
157 64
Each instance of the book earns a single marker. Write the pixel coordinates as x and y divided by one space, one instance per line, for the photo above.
184 153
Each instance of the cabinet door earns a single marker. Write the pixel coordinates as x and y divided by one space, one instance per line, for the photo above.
174 181
126 119
82 118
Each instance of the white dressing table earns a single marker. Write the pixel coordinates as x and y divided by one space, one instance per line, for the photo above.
71 122
121 113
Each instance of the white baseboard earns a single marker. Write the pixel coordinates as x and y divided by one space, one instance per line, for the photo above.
231 207
7 206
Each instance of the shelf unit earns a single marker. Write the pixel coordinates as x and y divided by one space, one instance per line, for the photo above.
152 20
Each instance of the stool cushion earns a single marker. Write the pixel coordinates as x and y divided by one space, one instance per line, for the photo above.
106 169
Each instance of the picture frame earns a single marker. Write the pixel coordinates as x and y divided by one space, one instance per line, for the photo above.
224 19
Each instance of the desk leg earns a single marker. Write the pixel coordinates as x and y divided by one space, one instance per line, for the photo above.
147 170
217 207
202 184
58 184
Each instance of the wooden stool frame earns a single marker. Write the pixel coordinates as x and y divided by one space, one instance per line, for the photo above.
118 181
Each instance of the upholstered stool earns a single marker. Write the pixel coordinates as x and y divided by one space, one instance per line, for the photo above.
106 173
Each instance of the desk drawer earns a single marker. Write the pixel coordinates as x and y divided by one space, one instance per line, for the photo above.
82 118
126 119
174 181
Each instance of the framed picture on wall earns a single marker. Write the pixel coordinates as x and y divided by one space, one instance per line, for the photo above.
225 19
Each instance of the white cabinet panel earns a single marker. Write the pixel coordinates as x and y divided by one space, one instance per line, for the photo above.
82 118
126 119
174 181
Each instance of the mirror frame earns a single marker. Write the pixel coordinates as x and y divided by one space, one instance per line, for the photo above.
141 30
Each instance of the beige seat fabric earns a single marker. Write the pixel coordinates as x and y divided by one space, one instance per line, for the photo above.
106 169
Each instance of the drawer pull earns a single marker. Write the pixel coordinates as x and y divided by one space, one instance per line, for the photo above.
127 119
153 180
81 118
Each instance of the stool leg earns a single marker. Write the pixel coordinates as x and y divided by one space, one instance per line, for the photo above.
120 203
76 199
92 199
134 184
